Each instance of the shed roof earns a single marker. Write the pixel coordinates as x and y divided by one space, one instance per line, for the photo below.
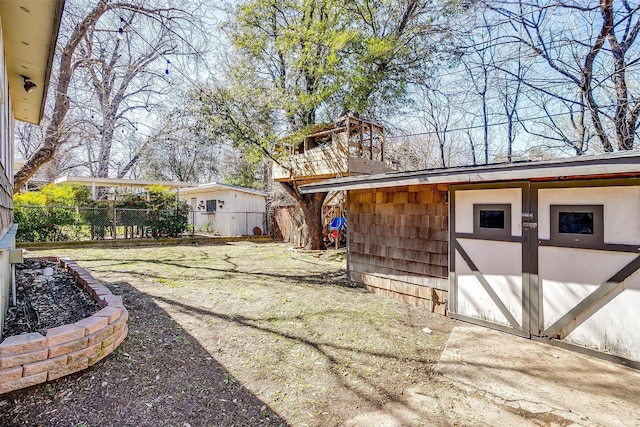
606 165
214 186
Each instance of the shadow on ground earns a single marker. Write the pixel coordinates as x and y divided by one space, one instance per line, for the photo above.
539 381
288 326
159 376
226 270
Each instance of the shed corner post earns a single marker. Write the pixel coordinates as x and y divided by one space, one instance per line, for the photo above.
452 301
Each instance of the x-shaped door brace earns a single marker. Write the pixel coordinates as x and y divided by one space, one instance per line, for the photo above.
592 303
487 287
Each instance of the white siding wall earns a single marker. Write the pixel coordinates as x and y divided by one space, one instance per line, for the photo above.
466 199
499 262
7 240
621 207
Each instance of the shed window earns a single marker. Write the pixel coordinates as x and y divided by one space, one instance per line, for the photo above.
212 205
492 219
575 222
577 225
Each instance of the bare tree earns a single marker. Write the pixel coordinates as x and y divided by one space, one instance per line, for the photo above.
511 92
591 47
478 60
76 52
117 68
561 130
411 152
437 115
180 151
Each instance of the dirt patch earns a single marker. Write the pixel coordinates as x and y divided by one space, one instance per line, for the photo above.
241 334
47 296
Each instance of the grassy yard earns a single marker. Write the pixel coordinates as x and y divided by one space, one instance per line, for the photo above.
283 327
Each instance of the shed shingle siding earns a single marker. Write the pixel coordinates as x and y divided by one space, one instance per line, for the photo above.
399 243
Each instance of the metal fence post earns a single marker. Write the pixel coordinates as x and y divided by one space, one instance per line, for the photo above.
193 222
114 222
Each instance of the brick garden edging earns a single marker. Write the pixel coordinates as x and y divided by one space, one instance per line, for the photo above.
30 359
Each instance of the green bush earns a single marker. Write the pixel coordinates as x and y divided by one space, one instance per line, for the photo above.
167 216
98 216
57 213
46 215
133 215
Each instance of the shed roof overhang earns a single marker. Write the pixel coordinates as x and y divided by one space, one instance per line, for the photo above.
600 166
30 30
214 186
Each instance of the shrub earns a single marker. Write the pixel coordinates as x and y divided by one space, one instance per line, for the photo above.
52 213
44 215
99 218
167 217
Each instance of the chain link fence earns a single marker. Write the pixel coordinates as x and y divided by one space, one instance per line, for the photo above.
55 224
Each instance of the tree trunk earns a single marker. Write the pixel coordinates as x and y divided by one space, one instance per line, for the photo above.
49 145
106 143
473 149
311 206
442 153
485 122
587 74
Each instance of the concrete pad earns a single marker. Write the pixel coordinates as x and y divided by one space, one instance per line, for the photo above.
440 404
488 378
539 382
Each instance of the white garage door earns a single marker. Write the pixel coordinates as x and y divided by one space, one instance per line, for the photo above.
556 260
588 257
489 285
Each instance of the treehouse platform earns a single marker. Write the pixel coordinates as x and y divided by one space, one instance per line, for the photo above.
349 146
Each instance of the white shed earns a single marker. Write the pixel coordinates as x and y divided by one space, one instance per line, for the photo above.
226 210
548 250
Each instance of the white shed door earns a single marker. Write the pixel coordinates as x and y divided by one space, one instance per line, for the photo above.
588 258
488 257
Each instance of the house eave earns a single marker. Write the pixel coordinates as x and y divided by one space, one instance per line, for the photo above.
116 182
30 31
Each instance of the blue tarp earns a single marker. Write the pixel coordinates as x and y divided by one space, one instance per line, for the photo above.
337 223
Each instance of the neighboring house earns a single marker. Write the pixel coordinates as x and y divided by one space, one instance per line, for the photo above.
226 210
548 250
29 29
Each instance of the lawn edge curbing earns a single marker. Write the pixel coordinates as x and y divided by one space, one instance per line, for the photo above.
30 359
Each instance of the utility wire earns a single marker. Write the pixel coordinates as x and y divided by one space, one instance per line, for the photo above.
477 126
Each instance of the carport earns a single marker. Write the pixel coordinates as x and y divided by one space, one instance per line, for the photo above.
546 250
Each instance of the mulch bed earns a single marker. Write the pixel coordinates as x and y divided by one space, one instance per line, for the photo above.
45 302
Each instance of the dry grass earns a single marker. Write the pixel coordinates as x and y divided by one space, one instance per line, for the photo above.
285 325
